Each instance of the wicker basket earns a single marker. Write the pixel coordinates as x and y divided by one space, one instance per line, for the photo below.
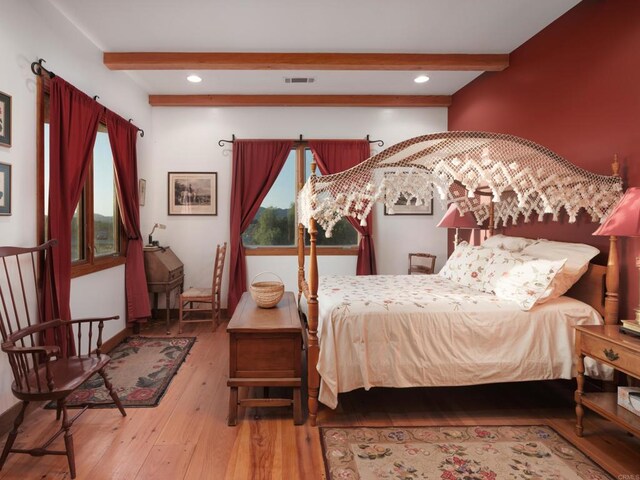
266 294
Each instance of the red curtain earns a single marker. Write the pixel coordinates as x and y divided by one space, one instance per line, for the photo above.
74 121
333 156
122 137
256 165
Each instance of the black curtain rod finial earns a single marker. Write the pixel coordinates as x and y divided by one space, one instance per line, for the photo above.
37 68
139 129
379 142
222 142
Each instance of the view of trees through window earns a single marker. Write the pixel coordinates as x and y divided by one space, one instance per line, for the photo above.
105 227
275 223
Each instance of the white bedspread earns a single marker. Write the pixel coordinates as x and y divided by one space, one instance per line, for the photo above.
424 330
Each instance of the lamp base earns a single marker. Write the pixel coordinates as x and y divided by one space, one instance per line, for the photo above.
638 308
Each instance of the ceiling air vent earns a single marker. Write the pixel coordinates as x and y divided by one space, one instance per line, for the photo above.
299 80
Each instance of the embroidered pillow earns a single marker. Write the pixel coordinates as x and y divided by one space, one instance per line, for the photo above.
514 244
577 255
466 265
520 278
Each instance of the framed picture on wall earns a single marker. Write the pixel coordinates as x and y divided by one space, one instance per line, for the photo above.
5 119
142 191
193 193
5 189
404 207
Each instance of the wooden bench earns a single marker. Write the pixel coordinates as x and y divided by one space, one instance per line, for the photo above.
265 346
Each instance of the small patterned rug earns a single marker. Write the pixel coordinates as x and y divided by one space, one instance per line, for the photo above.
140 370
454 453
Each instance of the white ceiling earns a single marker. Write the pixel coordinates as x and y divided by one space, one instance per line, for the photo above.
355 26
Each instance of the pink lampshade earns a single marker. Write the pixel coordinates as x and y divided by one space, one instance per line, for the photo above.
624 220
453 219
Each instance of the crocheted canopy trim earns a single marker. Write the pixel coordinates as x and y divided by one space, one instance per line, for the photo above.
469 169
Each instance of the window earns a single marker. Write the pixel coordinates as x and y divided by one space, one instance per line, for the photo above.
97 242
274 230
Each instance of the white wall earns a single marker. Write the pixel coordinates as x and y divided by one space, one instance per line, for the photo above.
29 30
187 140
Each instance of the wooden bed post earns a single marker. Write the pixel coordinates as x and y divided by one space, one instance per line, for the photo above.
611 304
313 348
491 218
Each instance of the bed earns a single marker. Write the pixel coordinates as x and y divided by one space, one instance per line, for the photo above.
425 330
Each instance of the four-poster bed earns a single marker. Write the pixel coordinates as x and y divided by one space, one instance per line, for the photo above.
520 178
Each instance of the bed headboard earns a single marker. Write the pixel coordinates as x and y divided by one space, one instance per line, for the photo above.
591 288
599 286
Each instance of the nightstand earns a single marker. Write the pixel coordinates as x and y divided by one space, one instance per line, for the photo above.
607 344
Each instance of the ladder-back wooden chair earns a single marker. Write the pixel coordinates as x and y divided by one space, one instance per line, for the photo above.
205 296
44 372
421 263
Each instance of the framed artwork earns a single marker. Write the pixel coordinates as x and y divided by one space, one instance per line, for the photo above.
142 191
193 193
402 207
5 119
5 189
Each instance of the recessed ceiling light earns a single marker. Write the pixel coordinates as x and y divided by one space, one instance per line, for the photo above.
194 78
421 79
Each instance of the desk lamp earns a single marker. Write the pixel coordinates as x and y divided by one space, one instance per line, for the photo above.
159 226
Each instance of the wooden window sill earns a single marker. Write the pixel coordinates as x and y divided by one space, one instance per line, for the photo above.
80 269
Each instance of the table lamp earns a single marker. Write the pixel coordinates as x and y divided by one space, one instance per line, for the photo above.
159 226
453 219
624 221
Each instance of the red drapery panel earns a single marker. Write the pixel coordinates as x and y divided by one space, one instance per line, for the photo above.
256 165
74 119
334 156
123 137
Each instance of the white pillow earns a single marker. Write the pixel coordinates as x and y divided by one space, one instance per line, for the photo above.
577 257
466 265
514 244
521 278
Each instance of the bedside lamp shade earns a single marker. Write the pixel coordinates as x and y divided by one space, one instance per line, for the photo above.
624 221
453 219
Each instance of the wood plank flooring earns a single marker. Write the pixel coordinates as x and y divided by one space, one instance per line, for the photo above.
186 436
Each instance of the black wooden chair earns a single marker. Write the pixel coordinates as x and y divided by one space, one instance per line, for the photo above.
44 373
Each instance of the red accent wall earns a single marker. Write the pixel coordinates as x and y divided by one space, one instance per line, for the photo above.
574 88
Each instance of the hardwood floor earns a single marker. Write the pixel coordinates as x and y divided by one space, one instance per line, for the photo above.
187 437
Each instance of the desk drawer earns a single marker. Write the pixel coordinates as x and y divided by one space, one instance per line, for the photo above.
617 356
177 273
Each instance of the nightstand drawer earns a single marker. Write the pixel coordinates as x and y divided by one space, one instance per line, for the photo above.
617 356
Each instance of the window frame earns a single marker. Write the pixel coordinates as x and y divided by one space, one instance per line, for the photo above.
91 263
331 250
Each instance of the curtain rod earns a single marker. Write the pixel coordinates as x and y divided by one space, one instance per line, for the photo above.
221 142
38 69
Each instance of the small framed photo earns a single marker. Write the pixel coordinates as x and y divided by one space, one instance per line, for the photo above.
404 207
5 119
193 193
142 191
5 189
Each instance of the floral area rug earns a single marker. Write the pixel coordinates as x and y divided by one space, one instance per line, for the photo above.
454 453
140 370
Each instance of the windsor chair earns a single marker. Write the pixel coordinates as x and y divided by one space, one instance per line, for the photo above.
47 358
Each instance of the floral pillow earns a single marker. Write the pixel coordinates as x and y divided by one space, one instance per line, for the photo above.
514 244
519 277
466 265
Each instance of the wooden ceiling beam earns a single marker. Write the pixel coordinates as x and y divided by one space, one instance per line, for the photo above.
304 61
300 100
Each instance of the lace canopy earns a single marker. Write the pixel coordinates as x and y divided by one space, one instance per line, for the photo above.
470 169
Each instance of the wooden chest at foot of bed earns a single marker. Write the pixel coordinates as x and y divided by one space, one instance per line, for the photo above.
265 348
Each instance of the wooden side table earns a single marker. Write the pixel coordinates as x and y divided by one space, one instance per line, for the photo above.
607 344
265 350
